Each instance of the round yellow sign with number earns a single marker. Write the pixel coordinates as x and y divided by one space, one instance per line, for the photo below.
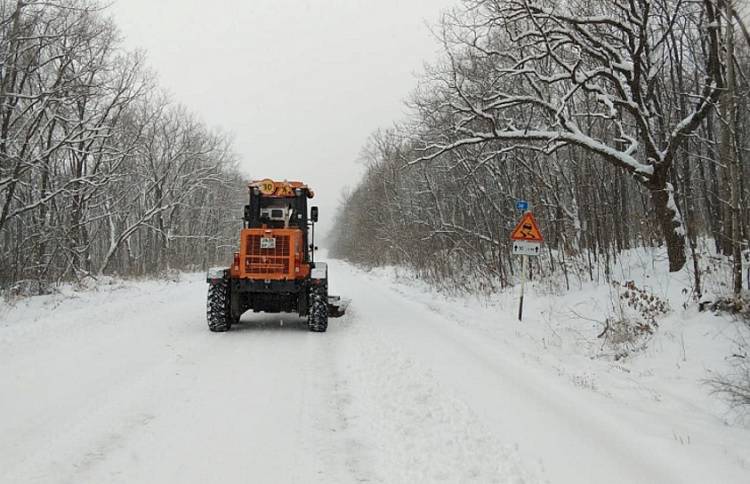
267 186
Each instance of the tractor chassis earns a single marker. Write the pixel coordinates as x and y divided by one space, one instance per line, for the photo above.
230 297
270 296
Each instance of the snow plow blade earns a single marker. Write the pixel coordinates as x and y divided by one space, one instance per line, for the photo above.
337 306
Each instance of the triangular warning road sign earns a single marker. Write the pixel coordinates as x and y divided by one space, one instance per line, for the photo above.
527 229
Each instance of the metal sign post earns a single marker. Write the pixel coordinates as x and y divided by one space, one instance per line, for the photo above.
527 241
523 284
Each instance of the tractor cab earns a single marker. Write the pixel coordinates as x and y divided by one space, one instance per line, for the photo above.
277 205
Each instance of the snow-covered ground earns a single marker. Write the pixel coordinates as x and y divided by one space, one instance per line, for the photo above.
124 383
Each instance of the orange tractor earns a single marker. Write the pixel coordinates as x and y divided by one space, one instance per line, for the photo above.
274 269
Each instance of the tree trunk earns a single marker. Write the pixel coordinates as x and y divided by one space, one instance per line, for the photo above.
669 220
728 156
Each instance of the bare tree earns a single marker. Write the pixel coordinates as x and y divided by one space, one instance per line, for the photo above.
545 75
605 119
98 172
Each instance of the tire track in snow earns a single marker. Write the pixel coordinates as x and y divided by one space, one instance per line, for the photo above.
151 396
413 429
561 435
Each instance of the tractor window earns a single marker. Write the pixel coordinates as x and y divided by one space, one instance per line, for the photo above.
278 212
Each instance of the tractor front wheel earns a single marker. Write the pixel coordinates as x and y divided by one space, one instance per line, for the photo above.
317 318
218 309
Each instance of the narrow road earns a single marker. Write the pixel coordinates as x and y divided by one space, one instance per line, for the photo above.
126 384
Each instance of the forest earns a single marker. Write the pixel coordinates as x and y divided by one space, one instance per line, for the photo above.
100 170
624 123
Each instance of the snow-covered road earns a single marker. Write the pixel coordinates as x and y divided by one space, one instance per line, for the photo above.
126 384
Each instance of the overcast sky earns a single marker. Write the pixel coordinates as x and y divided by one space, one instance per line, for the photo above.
299 83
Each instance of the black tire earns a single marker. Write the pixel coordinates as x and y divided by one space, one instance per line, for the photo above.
317 318
218 309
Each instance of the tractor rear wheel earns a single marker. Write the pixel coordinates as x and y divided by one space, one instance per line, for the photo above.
218 309
317 318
